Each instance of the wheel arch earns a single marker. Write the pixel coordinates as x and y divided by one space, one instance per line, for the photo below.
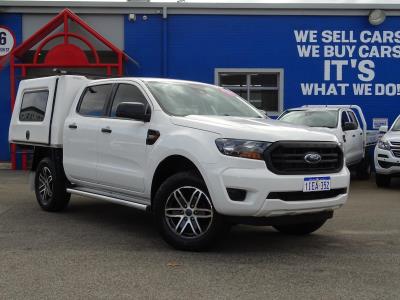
169 166
55 154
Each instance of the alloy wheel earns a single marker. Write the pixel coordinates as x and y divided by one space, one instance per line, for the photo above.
45 185
188 212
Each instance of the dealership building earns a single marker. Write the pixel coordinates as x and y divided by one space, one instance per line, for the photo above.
275 55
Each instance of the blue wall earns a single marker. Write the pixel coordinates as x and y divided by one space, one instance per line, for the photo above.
197 44
14 23
192 46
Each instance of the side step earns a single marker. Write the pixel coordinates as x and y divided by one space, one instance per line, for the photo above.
109 199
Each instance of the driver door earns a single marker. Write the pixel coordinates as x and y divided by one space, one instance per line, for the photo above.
349 140
357 136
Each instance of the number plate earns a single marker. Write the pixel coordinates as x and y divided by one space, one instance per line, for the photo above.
315 184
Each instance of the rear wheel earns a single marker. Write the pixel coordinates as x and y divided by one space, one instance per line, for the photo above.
300 229
185 215
50 188
382 180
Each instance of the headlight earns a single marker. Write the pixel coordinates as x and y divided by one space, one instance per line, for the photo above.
242 148
383 145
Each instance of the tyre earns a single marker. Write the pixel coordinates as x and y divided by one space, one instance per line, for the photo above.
364 169
300 229
382 180
50 187
185 215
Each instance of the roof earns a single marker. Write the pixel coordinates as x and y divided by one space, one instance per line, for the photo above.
147 79
244 7
314 108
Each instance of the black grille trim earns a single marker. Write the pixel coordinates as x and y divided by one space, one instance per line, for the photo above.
387 164
395 147
305 196
396 152
287 158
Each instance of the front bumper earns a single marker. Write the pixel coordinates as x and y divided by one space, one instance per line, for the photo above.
386 163
254 177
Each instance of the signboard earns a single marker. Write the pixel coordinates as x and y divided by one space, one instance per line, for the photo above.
378 122
7 41
351 61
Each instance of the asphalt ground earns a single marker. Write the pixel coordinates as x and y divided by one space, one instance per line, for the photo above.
100 250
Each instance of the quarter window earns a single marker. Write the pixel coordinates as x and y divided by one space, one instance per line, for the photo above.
127 93
94 100
262 89
33 107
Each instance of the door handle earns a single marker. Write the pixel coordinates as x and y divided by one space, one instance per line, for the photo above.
106 130
344 138
354 135
361 133
73 126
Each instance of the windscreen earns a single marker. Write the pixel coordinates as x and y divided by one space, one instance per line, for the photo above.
326 118
396 126
183 98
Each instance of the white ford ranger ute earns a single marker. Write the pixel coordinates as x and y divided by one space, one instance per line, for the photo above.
342 121
197 156
387 155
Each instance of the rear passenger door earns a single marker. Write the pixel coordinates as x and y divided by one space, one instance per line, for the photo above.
81 133
122 144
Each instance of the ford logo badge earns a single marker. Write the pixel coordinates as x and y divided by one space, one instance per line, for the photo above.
312 158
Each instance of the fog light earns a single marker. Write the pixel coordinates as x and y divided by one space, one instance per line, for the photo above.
236 194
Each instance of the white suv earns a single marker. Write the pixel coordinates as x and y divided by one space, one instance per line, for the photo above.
387 154
197 156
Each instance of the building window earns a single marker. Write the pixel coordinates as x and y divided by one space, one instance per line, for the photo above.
263 88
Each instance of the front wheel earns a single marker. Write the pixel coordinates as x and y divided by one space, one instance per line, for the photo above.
300 229
185 215
50 188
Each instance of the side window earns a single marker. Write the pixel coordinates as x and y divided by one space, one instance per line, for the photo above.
33 107
353 118
127 93
345 118
94 100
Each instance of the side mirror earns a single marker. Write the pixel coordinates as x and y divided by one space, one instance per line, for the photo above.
383 129
349 126
132 110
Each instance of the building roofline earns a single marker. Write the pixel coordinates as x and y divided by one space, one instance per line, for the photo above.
348 7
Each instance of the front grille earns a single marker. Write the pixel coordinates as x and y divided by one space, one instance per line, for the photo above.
395 146
289 158
305 196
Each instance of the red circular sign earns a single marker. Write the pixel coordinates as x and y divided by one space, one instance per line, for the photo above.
7 41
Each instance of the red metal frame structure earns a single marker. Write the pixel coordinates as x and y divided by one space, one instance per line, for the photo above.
62 55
